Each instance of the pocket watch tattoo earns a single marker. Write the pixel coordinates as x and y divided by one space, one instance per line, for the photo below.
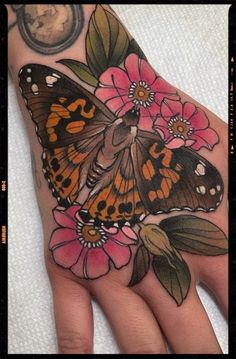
49 28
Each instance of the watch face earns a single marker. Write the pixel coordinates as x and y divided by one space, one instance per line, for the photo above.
50 28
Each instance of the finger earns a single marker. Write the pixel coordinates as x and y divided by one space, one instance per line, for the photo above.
135 327
186 327
213 272
73 316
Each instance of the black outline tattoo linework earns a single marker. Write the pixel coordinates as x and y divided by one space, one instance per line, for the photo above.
107 174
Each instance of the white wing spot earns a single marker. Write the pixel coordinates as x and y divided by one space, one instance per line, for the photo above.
201 189
29 79
202 163
212 191
29 70
35 89
221 196
171 210
218 187
200 170
141 218
56 75
50 80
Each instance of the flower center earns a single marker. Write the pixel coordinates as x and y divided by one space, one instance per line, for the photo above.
90 236
178 127
141 94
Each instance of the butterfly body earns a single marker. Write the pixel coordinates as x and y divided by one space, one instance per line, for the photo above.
117 137
128 172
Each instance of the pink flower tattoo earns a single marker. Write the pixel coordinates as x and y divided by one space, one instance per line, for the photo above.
184 125
88 250
136 85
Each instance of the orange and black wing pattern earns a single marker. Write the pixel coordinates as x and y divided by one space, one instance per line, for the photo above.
117 199
69 123
169 180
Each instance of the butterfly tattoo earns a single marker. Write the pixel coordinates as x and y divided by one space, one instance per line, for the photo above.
126 172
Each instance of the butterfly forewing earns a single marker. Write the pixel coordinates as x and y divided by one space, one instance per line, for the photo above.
69 123
63 111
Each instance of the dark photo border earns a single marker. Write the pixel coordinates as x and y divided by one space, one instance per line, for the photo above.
231 196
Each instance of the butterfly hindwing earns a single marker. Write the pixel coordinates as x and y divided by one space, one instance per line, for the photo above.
118 200
64 167
177 179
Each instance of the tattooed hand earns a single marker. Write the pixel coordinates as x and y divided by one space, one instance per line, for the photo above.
127 158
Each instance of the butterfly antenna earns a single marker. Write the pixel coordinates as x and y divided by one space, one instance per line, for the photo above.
112 77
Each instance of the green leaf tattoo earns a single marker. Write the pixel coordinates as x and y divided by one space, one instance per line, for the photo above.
134 48
81 70
106 41
195 235
141 265
174 275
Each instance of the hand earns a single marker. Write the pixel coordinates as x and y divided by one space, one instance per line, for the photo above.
148 296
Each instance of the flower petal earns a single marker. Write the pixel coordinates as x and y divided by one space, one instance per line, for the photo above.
111 230
147 73
204 138
188 110
121 111
106 93
161 125
79 267
121 238
63 218
72 210
175 143
132 67
189 143
119 254
154 109
160 85
120 105
159 97
128 232
115 77
145 123
170 108
97 263
61 236
68 254
199 120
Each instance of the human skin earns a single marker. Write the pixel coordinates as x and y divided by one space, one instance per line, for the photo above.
147 301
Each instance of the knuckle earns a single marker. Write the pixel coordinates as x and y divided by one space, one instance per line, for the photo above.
74 343
148 348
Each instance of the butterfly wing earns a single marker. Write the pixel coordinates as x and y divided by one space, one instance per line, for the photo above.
116 197
177 179
69 123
